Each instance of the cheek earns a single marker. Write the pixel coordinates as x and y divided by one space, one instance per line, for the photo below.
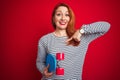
56 22
68 19
57 18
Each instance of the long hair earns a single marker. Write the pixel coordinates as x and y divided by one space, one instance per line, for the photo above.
70 27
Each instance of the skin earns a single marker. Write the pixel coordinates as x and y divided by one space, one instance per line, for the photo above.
61 20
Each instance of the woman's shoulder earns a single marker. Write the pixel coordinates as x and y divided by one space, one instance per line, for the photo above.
45 37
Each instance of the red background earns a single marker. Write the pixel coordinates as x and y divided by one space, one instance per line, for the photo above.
23 22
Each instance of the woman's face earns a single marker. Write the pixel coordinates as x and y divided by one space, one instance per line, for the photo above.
61 17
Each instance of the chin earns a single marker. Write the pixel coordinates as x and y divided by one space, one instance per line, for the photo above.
62 28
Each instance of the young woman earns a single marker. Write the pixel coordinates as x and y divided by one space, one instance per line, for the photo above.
73 43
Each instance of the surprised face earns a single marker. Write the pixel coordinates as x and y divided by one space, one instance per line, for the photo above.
61 17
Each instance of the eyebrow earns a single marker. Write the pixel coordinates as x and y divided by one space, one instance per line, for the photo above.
61 11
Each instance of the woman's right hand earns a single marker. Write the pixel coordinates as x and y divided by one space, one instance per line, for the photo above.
46 73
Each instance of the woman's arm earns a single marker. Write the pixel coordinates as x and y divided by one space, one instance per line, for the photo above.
95 30
40 61
91 31
100 27
41 57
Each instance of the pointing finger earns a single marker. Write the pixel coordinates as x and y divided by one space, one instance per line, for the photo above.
69 39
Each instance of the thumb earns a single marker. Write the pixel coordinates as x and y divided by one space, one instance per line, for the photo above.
47 66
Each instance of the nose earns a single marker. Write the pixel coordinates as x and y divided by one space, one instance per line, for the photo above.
63 17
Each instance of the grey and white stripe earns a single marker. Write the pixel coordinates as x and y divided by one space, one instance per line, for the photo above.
74 55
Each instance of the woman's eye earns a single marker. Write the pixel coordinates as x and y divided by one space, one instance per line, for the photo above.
67 15
58 14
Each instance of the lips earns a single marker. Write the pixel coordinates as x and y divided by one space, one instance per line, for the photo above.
62 23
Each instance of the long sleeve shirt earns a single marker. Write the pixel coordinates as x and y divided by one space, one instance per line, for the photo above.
74 55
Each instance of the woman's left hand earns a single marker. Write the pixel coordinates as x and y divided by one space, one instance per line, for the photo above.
76 36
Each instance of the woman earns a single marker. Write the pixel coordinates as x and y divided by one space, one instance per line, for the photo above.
73 43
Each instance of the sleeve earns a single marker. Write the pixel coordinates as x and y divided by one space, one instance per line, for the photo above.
95 30
40 61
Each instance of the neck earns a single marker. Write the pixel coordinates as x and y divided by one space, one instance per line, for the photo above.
60 33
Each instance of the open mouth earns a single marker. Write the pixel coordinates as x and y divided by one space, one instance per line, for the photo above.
62 23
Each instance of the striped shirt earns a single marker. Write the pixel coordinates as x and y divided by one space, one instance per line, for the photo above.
74 55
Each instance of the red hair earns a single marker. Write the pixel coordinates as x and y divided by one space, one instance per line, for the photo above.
70 27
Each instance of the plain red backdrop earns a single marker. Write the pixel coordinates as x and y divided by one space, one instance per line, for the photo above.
23 22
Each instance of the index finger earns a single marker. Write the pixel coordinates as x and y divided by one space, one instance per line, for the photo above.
68 39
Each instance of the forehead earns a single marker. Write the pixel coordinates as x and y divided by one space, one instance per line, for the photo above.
62 8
